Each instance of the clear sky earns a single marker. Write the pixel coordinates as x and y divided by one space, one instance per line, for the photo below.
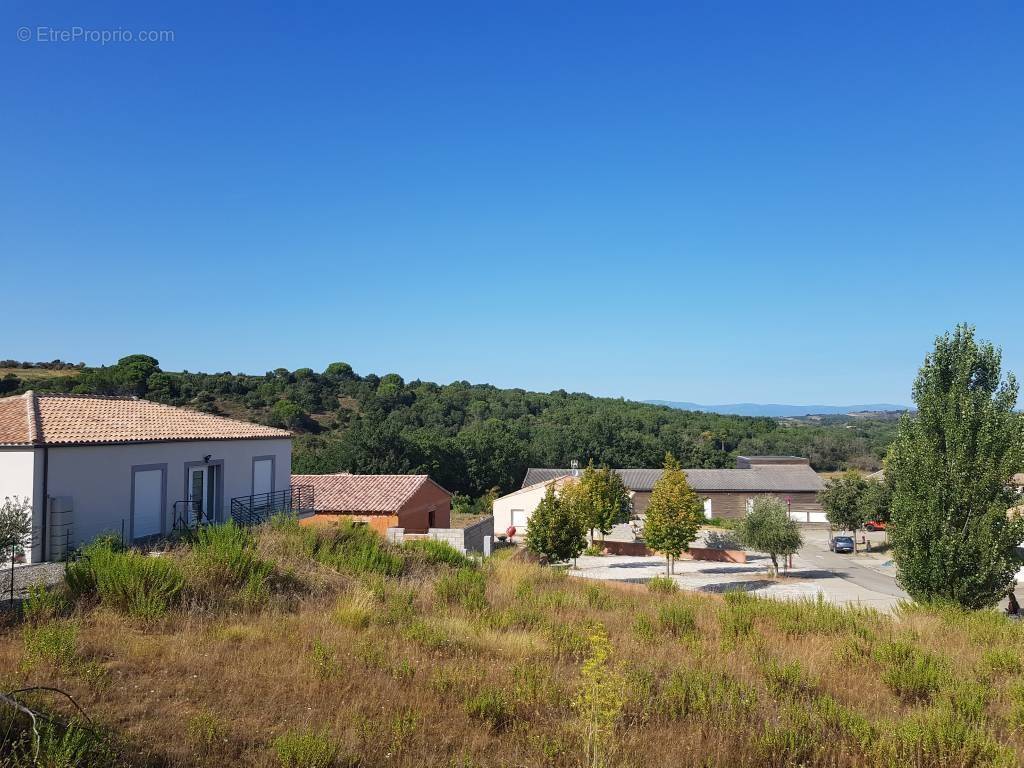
707 201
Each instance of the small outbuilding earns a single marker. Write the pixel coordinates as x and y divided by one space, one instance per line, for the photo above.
413 502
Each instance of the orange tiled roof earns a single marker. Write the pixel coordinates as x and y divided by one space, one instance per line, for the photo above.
52 419
365 494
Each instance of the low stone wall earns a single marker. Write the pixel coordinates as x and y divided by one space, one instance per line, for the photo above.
468 539
639 549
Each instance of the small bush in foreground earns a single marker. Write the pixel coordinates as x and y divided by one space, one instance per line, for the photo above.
439 553
305 749
663 585
55 642
128 582
677 619
223 558
465 587
491 706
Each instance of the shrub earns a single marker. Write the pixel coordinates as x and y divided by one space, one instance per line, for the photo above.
491 706
663 585
599 701
597 597
435 552
571 640
677 619
594 551
465 587
45 604
323 659
55 642
787 679
1002 661
305 749
223 557
704 693
938 738
737 619
910 673
643 628
430 635
59 747
131 583
357 549
203 730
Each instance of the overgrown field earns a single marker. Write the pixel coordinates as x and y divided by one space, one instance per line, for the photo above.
290 647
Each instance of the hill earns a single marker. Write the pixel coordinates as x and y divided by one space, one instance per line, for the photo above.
777 410
469 437
289 648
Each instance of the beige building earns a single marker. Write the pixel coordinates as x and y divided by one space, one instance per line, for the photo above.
727 493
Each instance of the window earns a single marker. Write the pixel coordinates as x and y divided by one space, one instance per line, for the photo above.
148 500
519 518
262 474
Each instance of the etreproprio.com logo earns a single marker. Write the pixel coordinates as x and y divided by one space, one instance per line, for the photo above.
77 34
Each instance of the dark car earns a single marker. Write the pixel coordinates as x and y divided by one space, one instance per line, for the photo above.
841 544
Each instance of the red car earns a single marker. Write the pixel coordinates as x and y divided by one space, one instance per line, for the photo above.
874 525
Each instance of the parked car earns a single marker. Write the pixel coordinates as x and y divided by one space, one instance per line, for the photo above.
875 525
841 545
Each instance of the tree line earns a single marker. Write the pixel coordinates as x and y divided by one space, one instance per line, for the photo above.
471 438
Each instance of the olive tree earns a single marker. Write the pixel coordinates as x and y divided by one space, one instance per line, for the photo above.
768 528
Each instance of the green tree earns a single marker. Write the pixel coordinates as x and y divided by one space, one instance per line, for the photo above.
876 501
15 525
950 468
555 530
768 528
603 498
841 498
131 374
674 515
285 413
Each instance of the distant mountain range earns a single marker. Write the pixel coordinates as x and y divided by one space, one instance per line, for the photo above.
779 410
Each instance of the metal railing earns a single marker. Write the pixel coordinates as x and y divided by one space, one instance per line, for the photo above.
260 507
188 514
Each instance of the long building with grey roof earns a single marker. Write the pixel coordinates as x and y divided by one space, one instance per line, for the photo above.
728 492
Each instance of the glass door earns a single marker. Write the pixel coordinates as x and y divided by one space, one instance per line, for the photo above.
198 483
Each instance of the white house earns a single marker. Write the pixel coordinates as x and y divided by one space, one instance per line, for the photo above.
93 464
516 508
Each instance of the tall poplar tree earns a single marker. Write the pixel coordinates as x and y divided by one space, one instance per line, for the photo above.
949 469
674 515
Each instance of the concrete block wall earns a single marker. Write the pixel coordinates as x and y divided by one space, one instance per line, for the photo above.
454 536
473 535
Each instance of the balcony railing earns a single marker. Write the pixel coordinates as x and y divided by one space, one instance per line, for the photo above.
260 507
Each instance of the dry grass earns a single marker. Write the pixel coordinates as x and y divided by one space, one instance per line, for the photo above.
354 668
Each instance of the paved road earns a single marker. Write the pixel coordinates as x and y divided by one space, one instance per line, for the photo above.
847 568
816 554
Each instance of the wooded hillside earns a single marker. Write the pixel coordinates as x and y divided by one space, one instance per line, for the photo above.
470 437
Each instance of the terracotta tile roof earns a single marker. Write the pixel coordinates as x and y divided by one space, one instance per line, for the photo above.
366 494
52 419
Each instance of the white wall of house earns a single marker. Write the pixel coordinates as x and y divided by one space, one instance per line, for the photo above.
21 476
517 507
99 480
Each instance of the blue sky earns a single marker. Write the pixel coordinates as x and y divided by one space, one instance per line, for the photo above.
716 202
